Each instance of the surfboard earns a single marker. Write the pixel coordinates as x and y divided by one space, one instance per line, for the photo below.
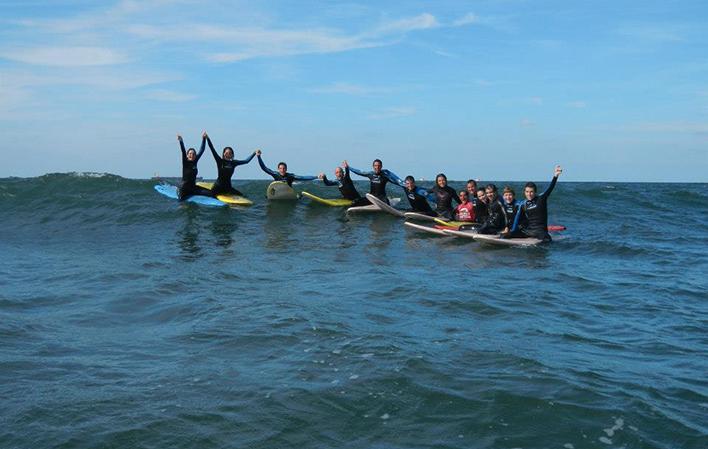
416 216
383 206
467 233
236 200
456 224
366 209
424 228
280 190
496 240
171 191
334 202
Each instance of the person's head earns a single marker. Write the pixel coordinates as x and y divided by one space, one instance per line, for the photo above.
338 172
441 180
481 194
464 196
471 187
508 194
490 191
377 165
282 168
228 153
191 154
530 190
410 182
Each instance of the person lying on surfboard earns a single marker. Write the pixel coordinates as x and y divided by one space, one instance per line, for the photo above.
225 165
444 196
465 210
532 217
282 173
190 157
378 178
346 185
416 197
495 221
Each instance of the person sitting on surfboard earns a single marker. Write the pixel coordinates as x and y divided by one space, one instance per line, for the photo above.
416 197
225 166
282 173
346 185
532 217
480 207
495 221
379 178
511 208
444 196
189 186
465 210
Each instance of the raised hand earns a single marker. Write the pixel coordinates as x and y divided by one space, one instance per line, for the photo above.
558 170
258 152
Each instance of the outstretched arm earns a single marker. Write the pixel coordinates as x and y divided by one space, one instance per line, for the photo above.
263 166
327 182
304 178
201 148
217 158
366 174
392 177
245 161
556 173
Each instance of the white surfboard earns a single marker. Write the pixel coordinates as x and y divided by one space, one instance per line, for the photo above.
280 190
366 209
383 206
496 240
416 216
424 228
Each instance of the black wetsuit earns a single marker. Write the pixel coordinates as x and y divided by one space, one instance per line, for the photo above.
496 218
289 177
347 189
532 219
444 196
510 210
189 186
480 209
225 168
378 182
418 202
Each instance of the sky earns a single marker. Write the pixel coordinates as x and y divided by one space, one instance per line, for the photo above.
494 89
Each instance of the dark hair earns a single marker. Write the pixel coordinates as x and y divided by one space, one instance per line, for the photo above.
283 164
227 148
473 182
440 175
491 186
508 189
463 191
532 185
191 149
410 178
377 160
480 189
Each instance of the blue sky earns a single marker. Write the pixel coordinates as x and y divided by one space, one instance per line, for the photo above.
485 89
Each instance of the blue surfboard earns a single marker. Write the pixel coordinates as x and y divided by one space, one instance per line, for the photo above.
170 191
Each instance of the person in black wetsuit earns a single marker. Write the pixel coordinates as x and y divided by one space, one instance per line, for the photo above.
282 173
379 178
444 196
511 208
496 218
532 218
225 167
417 198
189 186
480 206
346 185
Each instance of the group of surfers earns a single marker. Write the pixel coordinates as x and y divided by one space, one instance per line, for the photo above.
481 205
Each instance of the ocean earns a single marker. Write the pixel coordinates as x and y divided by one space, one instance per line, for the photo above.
128 320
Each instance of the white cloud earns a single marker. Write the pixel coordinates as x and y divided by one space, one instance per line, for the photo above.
349 89
420 22
393 112
65 56
467 19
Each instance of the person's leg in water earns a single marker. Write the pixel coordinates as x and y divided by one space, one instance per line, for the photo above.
362 201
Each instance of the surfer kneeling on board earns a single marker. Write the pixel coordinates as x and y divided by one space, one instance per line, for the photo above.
346 185
282 173
416 197
190 157
378 178
444 196
532 217
465 210
225 165
495 222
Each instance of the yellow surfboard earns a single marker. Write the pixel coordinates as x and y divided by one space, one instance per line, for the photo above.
455 224
334 202
234 200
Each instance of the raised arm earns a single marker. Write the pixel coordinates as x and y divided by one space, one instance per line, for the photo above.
201 148
182 148
217 158
366 174
392 177
245 161
327 182
263 166
556 173
304 178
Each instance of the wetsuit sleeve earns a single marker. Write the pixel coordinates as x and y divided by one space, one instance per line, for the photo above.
264 168
327 182
201 148
245 161
304 178
454 196
550 187
366 174
515 226
392 177
217 158
183 149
